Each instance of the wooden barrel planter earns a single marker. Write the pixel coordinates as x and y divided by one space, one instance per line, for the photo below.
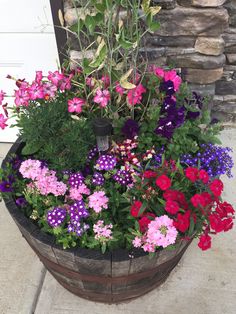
111 277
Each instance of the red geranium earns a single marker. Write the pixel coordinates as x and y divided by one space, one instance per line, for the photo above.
223 209
145 221
163 182
192 173
216 223
172 207
183 221
204 242
216 187
203 175
149 174
135 208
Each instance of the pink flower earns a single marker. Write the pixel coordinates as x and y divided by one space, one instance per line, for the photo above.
55 77
49 90
2 121
2 94
161 232
30 169
102 97
65 83
22 97
102 232
77 193
35 91
172 76
135 95
106 80
39 77
75 105
120 90
90 81
98 201
137 242
159 72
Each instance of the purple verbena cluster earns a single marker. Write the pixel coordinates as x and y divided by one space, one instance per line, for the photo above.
106 162
98 179
78 212
56 216
76 179
92 153
216 160
123 177
78 227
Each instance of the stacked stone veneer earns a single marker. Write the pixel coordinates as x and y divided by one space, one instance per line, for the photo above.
198 37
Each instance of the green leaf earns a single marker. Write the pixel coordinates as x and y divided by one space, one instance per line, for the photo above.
30 148
191 227
142 209
104 247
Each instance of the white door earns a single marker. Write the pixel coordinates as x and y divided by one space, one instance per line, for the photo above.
27 44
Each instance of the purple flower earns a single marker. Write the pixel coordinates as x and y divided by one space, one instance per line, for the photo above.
196 103
78 211
98 179
6 186
78 227
165 128
56 216
168 103
167 87
15 161
130 129
216 160
123 177
21 201
106 162
76 179
92 153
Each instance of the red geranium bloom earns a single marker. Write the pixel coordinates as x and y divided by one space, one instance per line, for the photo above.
203 175
144 222
216 187
170 195
216 223
163 182
183 221
135 208
227 224
198 200
192 173
149 174
223 209
204 242
172 207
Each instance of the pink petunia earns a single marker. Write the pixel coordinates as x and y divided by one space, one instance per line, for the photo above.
2 121
38 77
49 90
135 95
35 91
106 80
172 76
75 105
22 97
120 90
55 77
102 97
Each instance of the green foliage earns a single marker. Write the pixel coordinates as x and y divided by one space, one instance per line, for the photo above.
51 134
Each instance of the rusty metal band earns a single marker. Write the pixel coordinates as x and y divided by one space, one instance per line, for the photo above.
108 279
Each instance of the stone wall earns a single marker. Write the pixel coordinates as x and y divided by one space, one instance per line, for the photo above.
198 37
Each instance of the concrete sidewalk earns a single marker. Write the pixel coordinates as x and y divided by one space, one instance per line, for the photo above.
202 283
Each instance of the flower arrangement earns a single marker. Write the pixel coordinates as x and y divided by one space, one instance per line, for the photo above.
157 180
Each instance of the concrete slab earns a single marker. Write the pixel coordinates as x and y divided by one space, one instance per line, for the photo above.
202 283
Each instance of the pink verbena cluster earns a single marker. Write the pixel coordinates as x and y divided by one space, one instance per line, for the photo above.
98 201
45 180
161 233
102 232
77 193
